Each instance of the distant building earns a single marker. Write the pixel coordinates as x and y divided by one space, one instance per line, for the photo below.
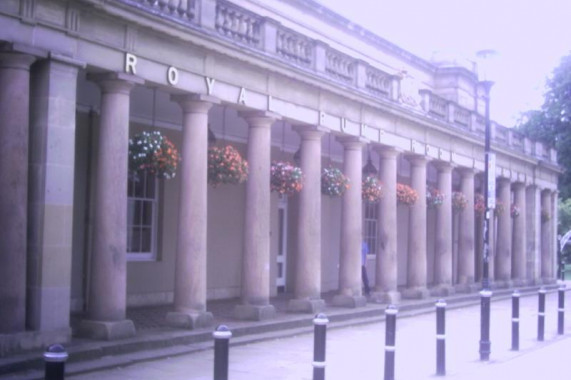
79 234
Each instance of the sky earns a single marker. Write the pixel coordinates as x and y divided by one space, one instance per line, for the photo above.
530 37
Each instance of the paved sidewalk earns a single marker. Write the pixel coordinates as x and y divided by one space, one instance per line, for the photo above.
358 351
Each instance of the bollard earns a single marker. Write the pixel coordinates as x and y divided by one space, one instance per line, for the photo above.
222 336
320 332
561 310
485 344
390 339
515 320
441 338
541 315
55 357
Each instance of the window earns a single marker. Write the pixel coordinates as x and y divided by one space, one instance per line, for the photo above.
142 210
371 217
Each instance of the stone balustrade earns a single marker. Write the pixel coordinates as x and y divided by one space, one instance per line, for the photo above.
378 82
238 24
245 27
294 47
340 66
181 10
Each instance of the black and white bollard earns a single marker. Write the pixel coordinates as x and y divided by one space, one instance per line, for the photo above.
441 338
561 310
319 337
55 357
390 339
222 336
515 320
541 316
485 344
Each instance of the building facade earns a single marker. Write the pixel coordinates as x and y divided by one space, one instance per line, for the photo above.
278 80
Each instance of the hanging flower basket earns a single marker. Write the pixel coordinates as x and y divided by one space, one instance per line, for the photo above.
499 210
406 195
459 201
545 216
285 178
225 165
434 197
154 153
479 204
514 211
333 182
371 190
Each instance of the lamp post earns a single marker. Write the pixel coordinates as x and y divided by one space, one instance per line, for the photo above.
490 200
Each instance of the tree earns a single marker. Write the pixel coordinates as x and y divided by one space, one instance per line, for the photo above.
552 123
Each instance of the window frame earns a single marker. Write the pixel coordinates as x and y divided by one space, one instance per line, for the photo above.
152 255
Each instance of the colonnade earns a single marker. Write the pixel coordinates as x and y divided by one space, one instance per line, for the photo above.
106 317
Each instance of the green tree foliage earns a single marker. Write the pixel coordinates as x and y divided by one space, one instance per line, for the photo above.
552 123
564 224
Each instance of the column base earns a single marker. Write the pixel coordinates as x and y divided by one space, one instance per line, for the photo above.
189 320
548 281
442 290
390 297
254 312
104 330
311 306
518 283
503 284
417 293
349 301
467 288
15 343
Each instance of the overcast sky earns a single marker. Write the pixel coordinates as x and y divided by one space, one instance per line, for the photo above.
530 36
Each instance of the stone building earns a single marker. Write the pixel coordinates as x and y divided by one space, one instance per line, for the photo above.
272 78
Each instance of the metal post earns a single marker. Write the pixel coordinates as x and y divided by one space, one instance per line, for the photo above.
55 357
320 332
561 310
541 316
441 338
390 339
515 320
485 344
489 186
222 336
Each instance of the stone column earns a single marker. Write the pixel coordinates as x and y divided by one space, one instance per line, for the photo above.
190 270
554 240
307 286
417 260
350 291
50 200
443 241
519 237
385 290
466 244
255 302
503 238
106 317
14 119
533 234
546 247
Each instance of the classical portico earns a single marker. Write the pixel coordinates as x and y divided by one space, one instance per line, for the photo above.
238 74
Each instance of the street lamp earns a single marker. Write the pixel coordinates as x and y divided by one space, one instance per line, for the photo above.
490 199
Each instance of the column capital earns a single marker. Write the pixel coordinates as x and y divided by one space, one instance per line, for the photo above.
503 181
115 82
466 171
16 60
195 103
443 166
386 151
416 160
351 142
260 119
309 132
